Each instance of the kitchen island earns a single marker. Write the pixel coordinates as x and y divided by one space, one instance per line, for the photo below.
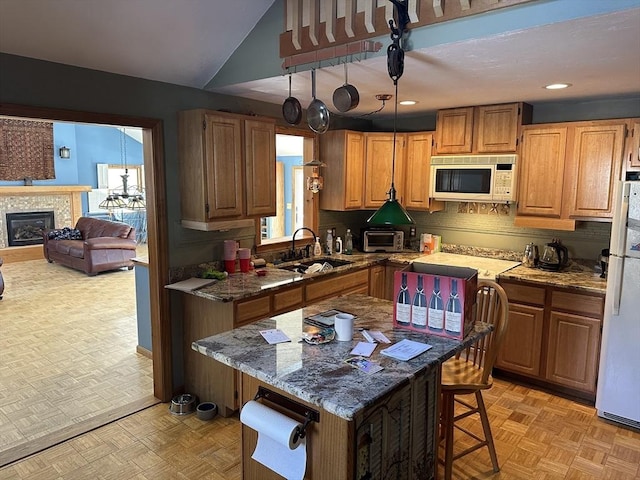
383 425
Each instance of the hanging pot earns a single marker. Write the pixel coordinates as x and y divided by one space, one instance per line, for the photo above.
317 111
291 108
346 97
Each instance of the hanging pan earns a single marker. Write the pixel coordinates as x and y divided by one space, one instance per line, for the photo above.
317 111
291 109
346 97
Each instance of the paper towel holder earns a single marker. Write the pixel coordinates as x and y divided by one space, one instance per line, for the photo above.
309 414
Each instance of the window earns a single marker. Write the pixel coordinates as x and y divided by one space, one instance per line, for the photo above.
295 205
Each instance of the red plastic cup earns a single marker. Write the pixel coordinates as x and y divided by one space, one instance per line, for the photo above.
245 265
230 266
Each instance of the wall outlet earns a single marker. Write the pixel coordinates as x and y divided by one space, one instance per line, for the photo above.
412 232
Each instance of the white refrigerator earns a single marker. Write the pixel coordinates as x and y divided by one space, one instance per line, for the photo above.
618 394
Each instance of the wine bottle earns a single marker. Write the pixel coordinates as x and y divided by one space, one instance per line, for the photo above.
436 308
453 315
403 304
419 307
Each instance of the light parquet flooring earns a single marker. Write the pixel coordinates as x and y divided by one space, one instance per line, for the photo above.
538 436
68 359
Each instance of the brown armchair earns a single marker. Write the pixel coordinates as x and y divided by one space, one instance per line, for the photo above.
105 245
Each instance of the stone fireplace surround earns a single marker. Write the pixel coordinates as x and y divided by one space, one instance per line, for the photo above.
64 200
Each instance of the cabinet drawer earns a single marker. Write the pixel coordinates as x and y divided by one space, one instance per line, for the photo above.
578 302
287 299
252 309
524 293
336 285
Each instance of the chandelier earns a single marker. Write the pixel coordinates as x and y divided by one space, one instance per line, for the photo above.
125 196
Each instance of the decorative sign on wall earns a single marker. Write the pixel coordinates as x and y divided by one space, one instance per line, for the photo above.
26 150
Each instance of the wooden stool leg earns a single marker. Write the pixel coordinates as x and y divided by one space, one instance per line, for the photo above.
487 431
448 413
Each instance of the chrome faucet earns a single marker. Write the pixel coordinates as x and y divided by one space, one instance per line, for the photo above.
293 240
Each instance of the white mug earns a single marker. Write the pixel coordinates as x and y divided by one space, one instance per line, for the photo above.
343 325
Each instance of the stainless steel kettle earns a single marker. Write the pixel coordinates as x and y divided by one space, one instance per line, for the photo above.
554 256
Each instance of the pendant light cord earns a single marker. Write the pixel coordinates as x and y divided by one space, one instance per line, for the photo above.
392 192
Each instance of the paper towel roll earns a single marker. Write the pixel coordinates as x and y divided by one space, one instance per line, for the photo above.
276 448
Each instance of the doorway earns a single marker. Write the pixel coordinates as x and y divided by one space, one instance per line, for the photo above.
154 175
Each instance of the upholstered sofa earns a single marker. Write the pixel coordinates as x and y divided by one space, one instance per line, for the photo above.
94 246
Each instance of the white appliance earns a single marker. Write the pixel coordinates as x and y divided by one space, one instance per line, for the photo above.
618 394
473 178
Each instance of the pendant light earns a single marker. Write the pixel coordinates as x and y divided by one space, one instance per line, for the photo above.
392 212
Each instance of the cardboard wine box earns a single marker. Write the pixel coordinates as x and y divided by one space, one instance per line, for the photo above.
418 306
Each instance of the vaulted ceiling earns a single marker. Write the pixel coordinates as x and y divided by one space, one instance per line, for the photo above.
188 42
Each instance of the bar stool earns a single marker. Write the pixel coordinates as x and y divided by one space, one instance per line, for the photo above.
470 373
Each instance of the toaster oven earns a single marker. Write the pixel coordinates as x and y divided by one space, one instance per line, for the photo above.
382 240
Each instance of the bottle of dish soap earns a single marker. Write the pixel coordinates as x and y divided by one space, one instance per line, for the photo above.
338 245
317 248
329 242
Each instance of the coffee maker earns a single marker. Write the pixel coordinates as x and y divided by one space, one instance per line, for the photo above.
554 256
604 262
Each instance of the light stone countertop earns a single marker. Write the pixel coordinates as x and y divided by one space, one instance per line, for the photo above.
317 373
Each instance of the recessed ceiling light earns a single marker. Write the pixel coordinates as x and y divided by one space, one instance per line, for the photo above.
408 102
557 86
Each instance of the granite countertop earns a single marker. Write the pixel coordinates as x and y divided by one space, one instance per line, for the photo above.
242 285
579 275
317 373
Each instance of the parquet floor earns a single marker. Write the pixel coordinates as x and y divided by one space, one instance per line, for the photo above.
538 436
68 359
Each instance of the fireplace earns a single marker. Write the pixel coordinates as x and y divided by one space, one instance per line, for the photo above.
25 228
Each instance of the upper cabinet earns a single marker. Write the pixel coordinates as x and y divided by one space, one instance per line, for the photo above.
483 129
568 171
227 167
359 167
343 153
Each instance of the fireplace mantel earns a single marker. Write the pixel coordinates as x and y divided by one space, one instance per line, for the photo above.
43 189
64 200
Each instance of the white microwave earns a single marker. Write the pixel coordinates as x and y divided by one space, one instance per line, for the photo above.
473 178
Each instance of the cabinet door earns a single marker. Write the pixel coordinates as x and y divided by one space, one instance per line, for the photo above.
573 355
417 170
354 170
260 167
377 286
379 167
497 128
223 166
343 153
634 156
595 166
454 130
522 344
542 171
389 278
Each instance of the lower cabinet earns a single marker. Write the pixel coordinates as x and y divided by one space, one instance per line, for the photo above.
553 337
215 382
377 285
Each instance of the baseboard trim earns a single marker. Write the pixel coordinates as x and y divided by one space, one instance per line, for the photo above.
144 351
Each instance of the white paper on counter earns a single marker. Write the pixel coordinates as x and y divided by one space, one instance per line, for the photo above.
191 284
276 448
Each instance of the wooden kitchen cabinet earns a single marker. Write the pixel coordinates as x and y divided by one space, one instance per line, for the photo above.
227 167
343 153
568 172
454 130
378 167
377 285
412 170
482 129
542 171
595 168
553 337
333 285
389 277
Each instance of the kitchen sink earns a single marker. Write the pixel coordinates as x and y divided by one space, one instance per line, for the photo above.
326 263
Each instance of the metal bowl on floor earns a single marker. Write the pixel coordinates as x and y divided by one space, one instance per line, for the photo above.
206 410
183 404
